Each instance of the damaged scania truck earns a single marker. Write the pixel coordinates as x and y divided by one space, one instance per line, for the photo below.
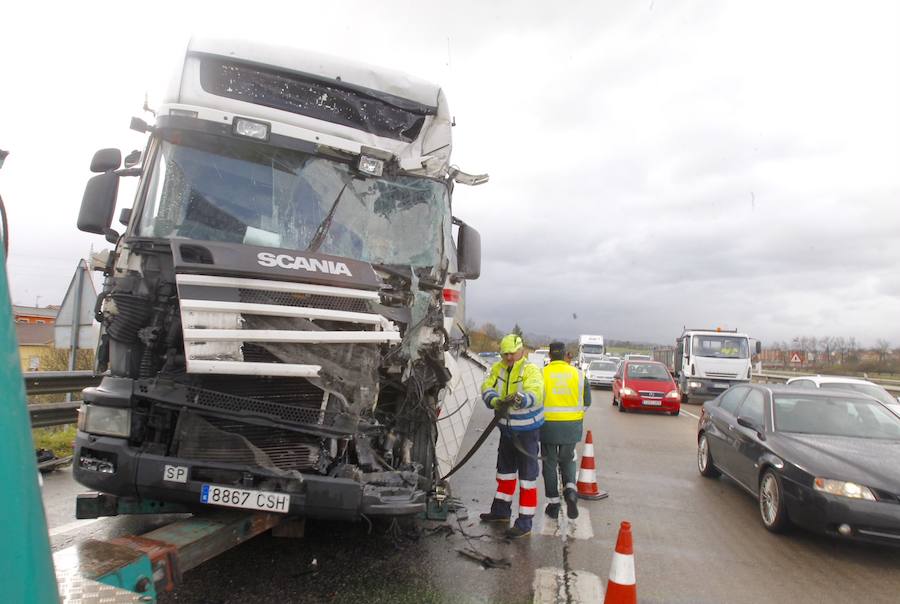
281 319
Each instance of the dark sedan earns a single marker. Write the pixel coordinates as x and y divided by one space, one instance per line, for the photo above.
827 461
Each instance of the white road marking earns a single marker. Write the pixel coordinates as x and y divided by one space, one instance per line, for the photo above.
563 527
696 417
66 528
555 586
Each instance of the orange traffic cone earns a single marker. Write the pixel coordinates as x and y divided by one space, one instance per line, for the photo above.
587 474
621 587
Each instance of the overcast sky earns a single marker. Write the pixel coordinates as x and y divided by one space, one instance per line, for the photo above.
653 164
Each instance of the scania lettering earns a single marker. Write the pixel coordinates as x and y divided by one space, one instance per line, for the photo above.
300 263
281 317
708 361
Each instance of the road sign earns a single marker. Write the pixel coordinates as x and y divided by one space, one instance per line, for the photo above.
796 358
77 310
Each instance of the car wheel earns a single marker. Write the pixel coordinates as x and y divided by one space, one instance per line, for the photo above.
705 459
675 413
621 407
771 502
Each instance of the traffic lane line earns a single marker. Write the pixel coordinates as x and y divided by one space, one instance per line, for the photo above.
565 527
696 417
557 586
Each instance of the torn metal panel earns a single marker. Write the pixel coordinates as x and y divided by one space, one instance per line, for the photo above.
457 404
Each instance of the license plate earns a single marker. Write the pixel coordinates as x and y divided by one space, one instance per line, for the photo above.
247 499
653 403
722 386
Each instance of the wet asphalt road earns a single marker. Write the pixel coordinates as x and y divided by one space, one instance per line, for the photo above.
695 540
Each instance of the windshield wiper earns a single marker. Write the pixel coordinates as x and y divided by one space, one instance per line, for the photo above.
319 237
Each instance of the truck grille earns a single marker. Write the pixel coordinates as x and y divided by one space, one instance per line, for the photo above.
215 439
254 296
715 374
272 398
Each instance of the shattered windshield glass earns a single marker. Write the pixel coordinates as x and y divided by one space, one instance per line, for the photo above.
216 188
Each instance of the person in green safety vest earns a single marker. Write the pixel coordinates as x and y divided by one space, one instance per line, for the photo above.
565 397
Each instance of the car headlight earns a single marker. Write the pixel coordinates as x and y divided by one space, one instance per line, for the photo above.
626 391
844 489
672 394
109 421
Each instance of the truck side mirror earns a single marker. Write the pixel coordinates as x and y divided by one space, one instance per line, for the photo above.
758 347
105 160
99 203
469 251
132 159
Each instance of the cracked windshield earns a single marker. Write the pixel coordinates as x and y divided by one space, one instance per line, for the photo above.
212 188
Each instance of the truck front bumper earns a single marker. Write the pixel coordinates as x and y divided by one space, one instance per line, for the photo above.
110 465
707 388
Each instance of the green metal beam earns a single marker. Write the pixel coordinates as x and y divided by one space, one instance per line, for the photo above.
25 552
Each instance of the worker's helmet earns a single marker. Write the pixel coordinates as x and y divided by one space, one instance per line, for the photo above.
511 343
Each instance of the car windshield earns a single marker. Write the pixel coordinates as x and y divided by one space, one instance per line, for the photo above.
725 347
835 416
873 390
647 371
602 366
592 348
217 188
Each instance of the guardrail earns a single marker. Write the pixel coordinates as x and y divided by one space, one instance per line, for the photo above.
54 382
770 377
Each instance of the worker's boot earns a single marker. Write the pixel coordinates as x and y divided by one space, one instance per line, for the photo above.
571 497
492 517
521 528
552 510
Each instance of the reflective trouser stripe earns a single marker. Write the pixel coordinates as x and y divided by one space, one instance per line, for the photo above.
527 499
552 499
509 476
528 484
571 485
506 489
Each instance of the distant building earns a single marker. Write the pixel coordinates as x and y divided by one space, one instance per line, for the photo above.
34 315
35 339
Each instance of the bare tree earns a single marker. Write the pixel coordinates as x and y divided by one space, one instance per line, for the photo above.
883 347
840 346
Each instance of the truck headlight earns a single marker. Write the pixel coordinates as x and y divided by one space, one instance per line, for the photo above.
108 421
695 385
844 489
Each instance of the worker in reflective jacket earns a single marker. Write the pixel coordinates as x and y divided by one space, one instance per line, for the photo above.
565 397
514 389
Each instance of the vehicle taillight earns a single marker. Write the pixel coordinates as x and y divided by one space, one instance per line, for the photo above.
451 295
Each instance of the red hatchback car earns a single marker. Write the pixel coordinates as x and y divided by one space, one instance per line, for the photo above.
645 385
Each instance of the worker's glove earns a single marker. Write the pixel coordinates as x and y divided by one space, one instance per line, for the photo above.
513 400
491 398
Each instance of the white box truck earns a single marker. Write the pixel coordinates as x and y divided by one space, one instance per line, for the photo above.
590 348
709 361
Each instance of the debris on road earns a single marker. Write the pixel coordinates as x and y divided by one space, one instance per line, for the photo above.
485 560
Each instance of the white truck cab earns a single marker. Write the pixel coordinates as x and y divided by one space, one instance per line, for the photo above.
590 348
709 361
